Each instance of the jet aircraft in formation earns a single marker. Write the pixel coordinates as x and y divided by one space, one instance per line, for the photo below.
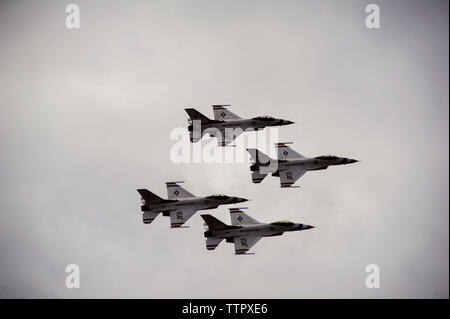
226 126
180 205
244 231
290 165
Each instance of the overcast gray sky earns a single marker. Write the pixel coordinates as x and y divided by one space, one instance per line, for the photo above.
85 119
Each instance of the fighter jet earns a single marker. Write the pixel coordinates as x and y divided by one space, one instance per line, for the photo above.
290 165
226 126
180 205
244 231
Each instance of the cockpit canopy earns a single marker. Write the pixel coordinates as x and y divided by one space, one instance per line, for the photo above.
283 223
218 196
327 157
263 118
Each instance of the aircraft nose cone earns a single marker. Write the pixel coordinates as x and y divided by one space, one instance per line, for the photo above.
351 161
241 200
285 122
304 227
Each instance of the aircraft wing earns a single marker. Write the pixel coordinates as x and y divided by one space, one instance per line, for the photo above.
180 216
289 177
221 113
175 191
287 153
238 217
243 244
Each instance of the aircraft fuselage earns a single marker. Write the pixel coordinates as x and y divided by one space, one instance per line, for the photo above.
306 164
241 124
254 230
198 203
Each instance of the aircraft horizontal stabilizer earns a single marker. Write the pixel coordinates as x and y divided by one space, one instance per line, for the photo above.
212 243
148 217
